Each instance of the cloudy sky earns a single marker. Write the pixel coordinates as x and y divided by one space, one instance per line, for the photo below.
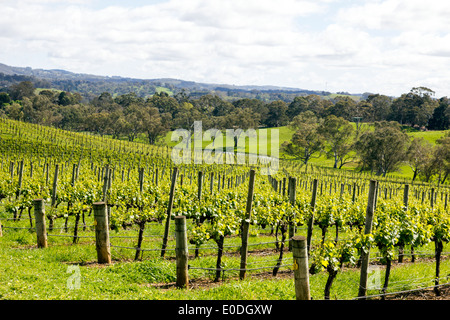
380 46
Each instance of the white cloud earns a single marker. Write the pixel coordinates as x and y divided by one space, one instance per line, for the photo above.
384 46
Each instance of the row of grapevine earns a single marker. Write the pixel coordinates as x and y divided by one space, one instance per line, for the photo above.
73 172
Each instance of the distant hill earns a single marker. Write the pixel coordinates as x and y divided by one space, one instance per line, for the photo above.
89 85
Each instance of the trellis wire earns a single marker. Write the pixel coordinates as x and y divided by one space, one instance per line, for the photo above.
400 292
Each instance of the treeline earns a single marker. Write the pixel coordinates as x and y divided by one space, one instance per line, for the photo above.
380 149
129 114
90 87
321 125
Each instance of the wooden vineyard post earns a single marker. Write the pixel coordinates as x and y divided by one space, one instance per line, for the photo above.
211 182
405 197
74 173
432 198
292 196
301 272
368 229
141 179
200 184
55 185
105 182
246 225
181 252
19 185
405 208
102 233
54 193
41 231
446 201
169 211
311 219
354 192
11 170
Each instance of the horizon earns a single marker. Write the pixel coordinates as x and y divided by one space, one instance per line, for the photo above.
385 46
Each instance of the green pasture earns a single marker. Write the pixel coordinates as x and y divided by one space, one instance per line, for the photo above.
66 271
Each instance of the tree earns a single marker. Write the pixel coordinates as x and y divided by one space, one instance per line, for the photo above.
210 103
277 116
117 124
134 117
104 102
97 122
73 116
415 107
14 111
67 98
306 142
337 133
318 105
442 157
44 111
381 106
243 119
154 124
344 107
4 98
163 102
297 106
223 108
419 156
125 100
441 116
257 107
384 148
21 90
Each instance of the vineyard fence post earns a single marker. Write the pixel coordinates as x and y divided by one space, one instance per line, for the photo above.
199 184
406 197
301 272
368 229
311 220
169 211
39 214
246 225
102 233
19 185
292 196
181 252
55 185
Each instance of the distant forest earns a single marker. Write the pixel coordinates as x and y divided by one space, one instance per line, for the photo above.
322 125
119 108
91 87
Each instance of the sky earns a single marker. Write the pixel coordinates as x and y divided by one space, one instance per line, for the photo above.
377 46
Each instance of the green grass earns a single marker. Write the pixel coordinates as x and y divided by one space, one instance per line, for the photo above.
430 136
163 89
285 134
335 95
29 273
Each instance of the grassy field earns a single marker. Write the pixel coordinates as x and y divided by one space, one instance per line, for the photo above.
28 273
285 134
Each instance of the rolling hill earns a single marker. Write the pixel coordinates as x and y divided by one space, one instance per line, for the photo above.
90 85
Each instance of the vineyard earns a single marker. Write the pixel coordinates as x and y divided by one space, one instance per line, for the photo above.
239 224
